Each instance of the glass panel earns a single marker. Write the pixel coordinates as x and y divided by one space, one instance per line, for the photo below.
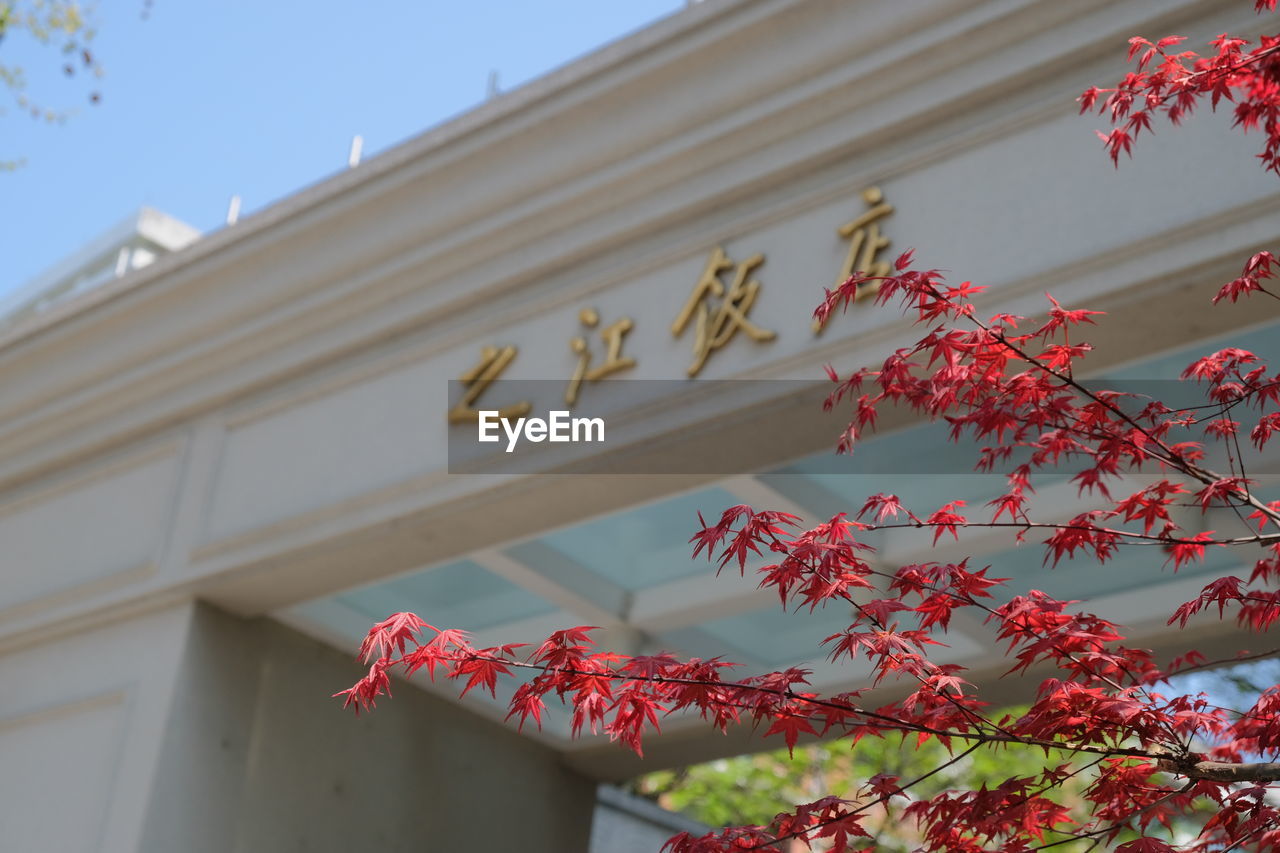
778 638
455 595
642 547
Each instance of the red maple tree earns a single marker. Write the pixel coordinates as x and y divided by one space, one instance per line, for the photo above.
1146 756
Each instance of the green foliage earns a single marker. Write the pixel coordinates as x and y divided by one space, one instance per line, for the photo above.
66 29
751 789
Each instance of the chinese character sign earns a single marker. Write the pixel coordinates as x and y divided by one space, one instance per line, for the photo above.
719 312
614 360
718 308
865 245
493 360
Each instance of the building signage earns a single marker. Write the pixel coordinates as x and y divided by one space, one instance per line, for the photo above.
718 308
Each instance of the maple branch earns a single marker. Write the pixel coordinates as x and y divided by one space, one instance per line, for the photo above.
1147 539
1115 827
1231 403
883 798
969 712
1210 664
1257 830
883 720
1250 59
1221 771
1048 786
1204 475
970 600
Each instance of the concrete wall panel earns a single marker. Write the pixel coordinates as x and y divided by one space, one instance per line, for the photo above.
325 447
87 532
60 769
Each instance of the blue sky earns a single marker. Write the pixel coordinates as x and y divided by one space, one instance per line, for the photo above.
203 100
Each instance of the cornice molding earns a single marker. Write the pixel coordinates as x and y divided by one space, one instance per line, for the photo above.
165 346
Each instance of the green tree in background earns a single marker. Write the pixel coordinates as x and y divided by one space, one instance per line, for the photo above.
749 789
66 29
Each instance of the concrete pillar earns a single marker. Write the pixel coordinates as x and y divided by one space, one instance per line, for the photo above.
193 730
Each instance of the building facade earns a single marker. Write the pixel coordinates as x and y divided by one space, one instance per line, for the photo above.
218 470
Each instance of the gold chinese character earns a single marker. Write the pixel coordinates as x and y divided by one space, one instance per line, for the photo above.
715 324
492 362
865 244
614 361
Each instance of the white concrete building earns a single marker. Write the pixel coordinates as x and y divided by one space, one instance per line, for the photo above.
217 470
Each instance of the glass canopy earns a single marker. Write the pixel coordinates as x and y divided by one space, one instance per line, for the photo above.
632 571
